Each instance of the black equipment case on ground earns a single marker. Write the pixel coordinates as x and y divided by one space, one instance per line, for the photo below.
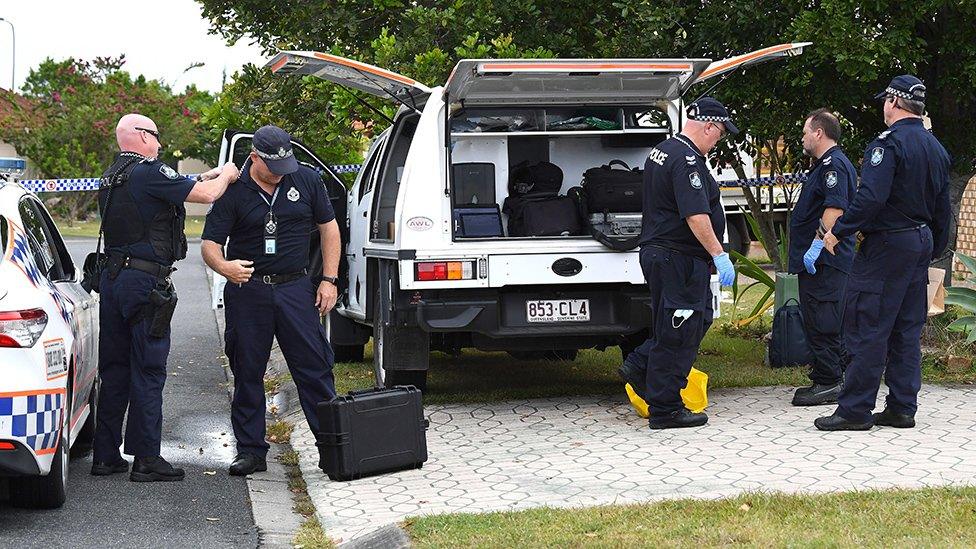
372 431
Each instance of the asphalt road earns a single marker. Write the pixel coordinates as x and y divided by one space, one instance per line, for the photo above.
209 508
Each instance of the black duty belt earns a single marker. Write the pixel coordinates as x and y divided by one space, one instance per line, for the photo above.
901 230
151 267
280 278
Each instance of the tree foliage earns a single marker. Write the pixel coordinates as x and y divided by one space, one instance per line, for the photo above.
74 107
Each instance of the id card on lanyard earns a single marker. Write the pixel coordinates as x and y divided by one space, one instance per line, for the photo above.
271 225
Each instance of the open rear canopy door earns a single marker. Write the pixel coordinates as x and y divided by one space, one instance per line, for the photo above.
718 68
571 81
361 76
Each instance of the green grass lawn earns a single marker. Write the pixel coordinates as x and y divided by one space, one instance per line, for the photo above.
89 229
897 518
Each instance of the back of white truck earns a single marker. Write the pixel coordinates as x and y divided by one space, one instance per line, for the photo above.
424 282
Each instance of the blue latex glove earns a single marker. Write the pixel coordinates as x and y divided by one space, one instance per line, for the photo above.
810 258
726 272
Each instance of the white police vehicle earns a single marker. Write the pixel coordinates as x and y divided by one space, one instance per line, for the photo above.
417 281
48 351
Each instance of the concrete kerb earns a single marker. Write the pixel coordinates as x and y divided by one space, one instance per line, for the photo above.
271 501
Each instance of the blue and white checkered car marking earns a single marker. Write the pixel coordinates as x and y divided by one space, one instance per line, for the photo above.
36 419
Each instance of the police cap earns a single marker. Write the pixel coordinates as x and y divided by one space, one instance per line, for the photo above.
708 109
905 86
273 145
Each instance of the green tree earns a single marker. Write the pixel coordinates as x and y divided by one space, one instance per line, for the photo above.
75 105
857 48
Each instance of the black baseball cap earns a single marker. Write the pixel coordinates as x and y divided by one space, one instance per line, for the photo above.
905 86
709 109
273 145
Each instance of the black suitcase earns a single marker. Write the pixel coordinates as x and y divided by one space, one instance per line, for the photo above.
614 190
789 345
542 215
372 431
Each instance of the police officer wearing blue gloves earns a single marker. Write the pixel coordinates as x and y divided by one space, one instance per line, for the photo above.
268 217
822 277
141 202
683 220
902 209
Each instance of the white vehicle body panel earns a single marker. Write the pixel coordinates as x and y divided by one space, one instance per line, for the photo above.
35 380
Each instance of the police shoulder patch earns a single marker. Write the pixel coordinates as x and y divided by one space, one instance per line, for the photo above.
877 155
695 179
170 173
826 161
830 179
884 134
691 160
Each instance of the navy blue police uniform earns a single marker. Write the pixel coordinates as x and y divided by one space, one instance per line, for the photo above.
143 228
831 183
677 269
279 299
902 209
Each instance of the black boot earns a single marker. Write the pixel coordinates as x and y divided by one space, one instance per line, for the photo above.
890 418
101 469
836 422
245 464
677 420
817 394
635 376
154 469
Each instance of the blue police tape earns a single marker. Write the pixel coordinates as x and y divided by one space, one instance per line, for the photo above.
92 183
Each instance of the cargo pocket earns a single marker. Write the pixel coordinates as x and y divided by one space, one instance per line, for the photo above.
864 303
678 329
827 311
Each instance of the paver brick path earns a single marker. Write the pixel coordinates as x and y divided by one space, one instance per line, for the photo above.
581 451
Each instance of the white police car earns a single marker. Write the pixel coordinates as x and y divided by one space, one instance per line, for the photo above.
48 353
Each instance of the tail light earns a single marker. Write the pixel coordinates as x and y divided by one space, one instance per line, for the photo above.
21 328
444 270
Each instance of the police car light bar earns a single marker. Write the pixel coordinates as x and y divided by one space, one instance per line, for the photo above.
13 166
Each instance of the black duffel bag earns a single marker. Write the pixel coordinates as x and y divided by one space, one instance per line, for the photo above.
788 345
614 190
532 177
542 215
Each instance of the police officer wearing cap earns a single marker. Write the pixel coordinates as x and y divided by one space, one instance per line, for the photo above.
266 220
141 203
822 278
902 209
683 220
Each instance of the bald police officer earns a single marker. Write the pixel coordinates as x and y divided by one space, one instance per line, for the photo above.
141 202
822 278
902 208
683 220
266 220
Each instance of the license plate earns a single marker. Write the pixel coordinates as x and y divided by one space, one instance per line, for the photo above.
558 310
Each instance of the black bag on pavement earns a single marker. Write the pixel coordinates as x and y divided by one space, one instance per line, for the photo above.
789 345
614 190
372 431
542 214
535 178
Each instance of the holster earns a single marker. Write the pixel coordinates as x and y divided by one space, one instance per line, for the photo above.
114 263
92 271
162 301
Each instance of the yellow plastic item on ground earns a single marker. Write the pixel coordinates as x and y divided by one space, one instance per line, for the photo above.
694 395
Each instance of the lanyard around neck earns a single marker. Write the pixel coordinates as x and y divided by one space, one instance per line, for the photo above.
273 197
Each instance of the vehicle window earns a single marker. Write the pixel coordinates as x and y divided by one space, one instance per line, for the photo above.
366 174
242 148
62 258
394 159
3 237
37 239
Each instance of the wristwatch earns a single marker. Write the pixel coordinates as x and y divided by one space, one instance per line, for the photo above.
330 279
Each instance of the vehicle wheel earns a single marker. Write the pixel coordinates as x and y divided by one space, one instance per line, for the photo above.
559 355
631 342
739 239
406 347
417 378
348 353
51 491
86 436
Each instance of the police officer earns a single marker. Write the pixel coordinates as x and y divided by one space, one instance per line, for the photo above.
822 277
268 217
683 219
141 202
902 209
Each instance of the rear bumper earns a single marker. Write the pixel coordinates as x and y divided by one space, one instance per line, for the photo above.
615 310
18 462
